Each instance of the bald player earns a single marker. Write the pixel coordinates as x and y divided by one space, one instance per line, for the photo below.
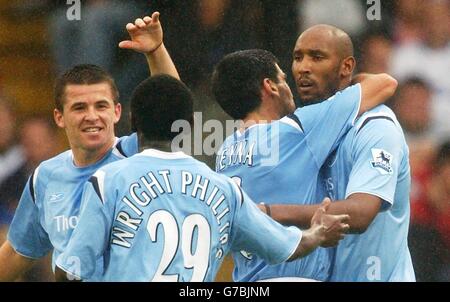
368 174
278 158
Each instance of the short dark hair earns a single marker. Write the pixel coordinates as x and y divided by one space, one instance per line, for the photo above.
84 74
238 78
157 103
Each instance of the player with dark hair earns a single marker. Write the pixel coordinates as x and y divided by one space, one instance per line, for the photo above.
87 109
368 174
277 159
168 217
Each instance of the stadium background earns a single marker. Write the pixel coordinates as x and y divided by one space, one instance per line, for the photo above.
411 41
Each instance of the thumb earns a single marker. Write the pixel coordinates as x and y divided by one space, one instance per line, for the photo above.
325 204
127 44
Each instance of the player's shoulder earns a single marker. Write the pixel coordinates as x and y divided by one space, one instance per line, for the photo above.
55 163
126 146
378 119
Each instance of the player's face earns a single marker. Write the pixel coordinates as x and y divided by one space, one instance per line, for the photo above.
315 68
287 104
88 117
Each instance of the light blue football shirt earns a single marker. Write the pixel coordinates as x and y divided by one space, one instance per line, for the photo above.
48 209
279 162
160 216
373 159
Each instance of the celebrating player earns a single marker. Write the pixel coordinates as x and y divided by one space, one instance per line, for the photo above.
279 160
87 108
370 170
164 216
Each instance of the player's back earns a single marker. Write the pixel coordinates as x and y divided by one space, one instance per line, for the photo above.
172 218
272 175
373 159
279 162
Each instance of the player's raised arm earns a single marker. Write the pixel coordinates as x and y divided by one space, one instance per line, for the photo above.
375 89
147 37
12 264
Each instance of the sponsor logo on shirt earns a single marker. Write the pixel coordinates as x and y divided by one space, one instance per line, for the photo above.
56 197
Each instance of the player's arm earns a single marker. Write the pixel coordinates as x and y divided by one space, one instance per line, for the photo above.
370 189
147 38
375 89
12 264
362 209
326 230
259 234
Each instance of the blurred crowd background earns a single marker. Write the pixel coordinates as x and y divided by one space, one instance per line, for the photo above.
411 42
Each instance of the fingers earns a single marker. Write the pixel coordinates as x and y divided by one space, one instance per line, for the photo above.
131 27
155 17
325 204
140 23
147 20
342 217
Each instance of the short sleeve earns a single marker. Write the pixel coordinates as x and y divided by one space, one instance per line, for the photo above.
377 154
26 234
255 232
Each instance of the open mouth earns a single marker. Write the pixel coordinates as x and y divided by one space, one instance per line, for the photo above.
305 84
92 130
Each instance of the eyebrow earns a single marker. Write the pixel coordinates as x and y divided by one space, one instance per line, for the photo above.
311 52
83 103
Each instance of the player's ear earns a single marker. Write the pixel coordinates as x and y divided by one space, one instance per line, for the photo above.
59 118
117 112
269 86
348 66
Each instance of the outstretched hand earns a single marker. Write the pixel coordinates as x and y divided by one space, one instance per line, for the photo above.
146 34
331 227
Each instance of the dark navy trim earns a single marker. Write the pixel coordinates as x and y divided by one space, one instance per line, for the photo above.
296 119
94 181
242 194
32 187
374 118
120 149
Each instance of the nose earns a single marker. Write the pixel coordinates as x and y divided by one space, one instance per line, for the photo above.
91 114
303 66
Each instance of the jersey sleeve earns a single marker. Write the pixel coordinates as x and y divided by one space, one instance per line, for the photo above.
128 145
325 124
255 232
91 236
377 153
26 234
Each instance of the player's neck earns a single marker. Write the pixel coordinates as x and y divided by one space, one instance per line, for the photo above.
261 115
86 157
165 146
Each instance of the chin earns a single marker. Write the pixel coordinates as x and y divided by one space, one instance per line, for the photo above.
310 101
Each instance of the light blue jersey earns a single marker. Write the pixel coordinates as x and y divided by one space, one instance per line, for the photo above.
279 162
373 159
161 216
49 206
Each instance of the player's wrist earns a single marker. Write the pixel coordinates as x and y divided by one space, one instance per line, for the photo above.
155 48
